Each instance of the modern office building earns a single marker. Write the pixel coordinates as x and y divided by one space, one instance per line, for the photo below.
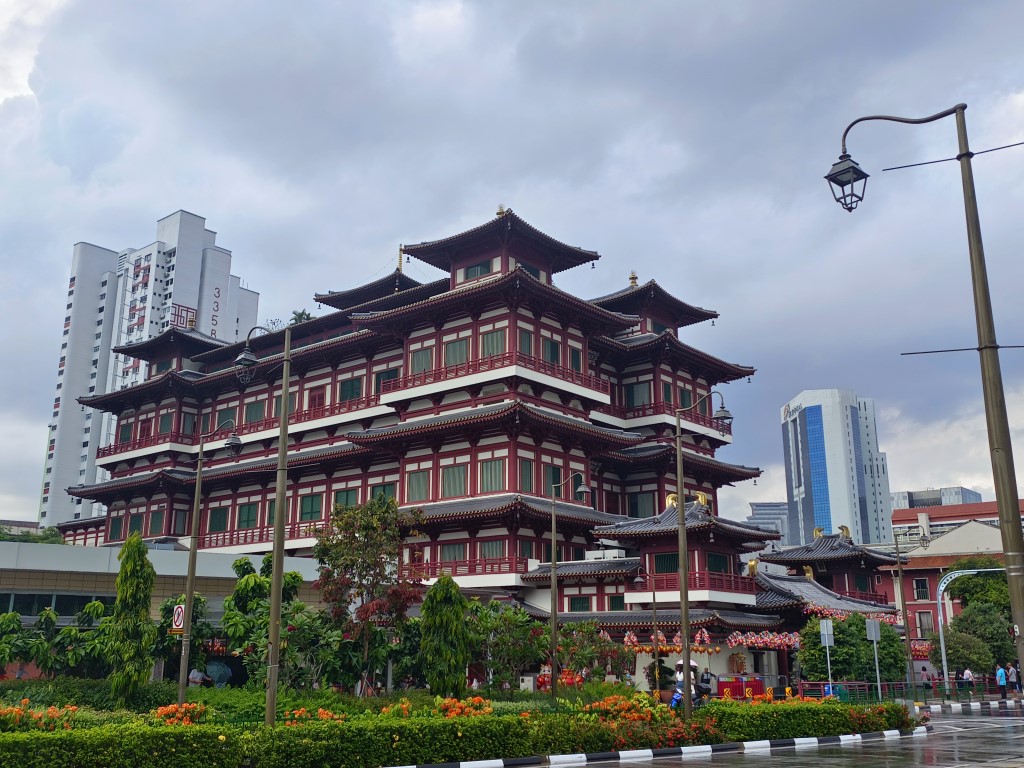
835 474
183 279
934 497
773 515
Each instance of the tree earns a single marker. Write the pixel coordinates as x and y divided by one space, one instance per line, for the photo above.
43 536
168 646
132 631
299 316
987 623
358 550
962 651
990 588
506 639
852 656
444 637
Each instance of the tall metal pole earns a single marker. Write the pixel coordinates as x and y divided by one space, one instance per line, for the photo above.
997 422
999 443
190 579
193 552
657 639
280 516
906 618
554 579
684 586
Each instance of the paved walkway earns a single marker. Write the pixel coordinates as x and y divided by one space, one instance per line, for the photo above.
960 741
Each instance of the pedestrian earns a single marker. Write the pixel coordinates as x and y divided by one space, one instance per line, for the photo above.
1020 680
706 675
969 678
927 680
1001 680
1011 679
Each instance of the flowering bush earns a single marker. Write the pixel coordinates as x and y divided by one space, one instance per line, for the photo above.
474 706
20 717
401 708
180 714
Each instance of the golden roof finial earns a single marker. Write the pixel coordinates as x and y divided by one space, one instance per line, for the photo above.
501 211
399 258
632 278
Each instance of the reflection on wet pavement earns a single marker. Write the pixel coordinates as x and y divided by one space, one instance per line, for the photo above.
958 741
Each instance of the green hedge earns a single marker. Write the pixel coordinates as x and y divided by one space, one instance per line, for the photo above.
123 746
83 692
384 742
744 722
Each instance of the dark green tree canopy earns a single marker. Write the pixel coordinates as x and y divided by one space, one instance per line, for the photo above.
445 637
963 651
990 588
852 656
987 623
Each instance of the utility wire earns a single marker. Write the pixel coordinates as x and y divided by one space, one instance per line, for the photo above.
947 159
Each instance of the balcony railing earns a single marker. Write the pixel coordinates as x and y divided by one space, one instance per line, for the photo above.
477 567
665 409
704 580
494 362
298 530
243 429
857 594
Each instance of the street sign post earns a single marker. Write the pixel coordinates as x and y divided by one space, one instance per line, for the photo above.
828 639
875 635
178 620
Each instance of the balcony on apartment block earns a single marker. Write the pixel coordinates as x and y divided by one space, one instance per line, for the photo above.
658 411
704 586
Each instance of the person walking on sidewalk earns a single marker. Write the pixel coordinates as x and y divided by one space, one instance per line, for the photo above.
969 680
1011 679
1001 680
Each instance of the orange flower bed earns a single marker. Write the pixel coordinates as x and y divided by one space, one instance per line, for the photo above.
20 717
474 706
181 714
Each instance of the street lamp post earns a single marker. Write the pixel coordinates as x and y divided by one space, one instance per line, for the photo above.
724 417
245 367
234 444
911 679
844 179
583 489
640 582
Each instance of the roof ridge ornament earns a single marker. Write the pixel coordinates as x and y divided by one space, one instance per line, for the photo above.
633 278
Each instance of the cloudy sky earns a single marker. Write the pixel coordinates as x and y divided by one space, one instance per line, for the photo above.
687 140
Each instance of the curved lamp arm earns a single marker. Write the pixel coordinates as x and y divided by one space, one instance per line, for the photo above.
910 120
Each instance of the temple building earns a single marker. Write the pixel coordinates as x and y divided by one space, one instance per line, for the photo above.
485 398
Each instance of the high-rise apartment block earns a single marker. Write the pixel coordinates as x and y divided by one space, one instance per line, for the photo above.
835 474
773 515
183 280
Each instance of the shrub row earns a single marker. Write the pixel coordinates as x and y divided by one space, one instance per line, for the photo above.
124 746
789 720
83 692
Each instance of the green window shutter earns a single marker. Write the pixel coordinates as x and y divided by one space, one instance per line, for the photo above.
346 498
579 553
311 507
453 481
291 404
134 524
526 342
381 376
576 359
641 504
492 475
271 506
350 389
387 490
156 523
456 352
525 548
579 604
492 550
492 343
256 411
188 423
164 424
526 476
552 351
116 526
124 433
478 270
666 393
616 602
638 394
163 365
718 563
666 562
248 516
417 485
205 424
685 398
552 481
226 415
218 520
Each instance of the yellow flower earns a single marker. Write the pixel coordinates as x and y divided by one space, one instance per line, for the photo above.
222 737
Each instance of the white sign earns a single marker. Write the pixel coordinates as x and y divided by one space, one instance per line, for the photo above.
827 638
874 630
178 620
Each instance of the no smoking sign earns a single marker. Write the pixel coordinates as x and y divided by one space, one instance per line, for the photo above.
178 620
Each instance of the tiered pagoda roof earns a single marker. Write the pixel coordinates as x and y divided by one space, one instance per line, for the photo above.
667 617
517 286
506 229
620 567
708 466
634 299
520 507
511 416
779 592
188 340
830 548
396 282
665 346
698 518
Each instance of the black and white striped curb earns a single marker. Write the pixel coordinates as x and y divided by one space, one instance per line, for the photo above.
682 752
974 707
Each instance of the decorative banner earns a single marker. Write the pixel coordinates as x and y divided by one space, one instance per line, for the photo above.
774 641
920 649
813 609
